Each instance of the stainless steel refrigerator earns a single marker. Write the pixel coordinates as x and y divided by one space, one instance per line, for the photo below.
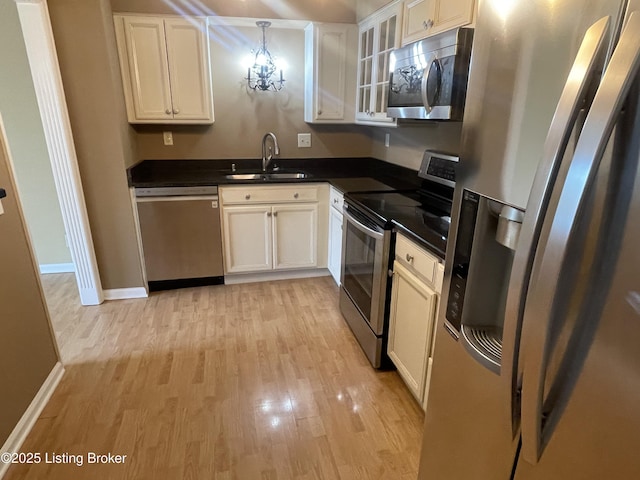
536 371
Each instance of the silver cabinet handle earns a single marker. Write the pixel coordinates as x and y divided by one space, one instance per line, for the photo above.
268 214
409 258
167 111
427 24
335 200
176 111
247 196
296 195
275 214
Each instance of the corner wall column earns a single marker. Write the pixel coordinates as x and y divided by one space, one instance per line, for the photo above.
45 70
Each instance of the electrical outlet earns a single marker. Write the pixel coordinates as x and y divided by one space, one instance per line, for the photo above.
304 140
167 137
387 136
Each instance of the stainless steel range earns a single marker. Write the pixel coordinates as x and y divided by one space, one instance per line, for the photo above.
368 241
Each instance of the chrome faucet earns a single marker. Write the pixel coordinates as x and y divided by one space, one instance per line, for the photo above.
266 159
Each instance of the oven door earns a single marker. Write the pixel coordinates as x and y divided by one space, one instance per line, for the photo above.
365 258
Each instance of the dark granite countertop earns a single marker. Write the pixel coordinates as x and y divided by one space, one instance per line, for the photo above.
346 174
349 175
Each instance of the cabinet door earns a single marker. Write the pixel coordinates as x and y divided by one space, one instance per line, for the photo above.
247 239
388 39
411 328
450 14
365 72
379 35
149 71
329 73
424 18
188 56
295 236
415 18
335 243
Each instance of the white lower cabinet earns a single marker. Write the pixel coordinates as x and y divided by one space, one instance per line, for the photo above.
247 238
270 228
295 231
411 326
335 243
335 234
414 302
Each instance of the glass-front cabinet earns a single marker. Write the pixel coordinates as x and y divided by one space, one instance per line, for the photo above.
379 35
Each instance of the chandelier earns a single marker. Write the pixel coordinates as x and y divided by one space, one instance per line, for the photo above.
259 75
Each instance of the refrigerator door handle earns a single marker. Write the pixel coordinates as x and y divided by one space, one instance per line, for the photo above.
576 94
541 309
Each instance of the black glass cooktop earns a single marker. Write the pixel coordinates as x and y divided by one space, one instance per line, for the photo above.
420 213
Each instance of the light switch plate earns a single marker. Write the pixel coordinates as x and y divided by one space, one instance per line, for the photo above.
304 140
167 137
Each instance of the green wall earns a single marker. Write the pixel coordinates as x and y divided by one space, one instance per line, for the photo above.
27 143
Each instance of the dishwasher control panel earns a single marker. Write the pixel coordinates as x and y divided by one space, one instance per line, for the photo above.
175 191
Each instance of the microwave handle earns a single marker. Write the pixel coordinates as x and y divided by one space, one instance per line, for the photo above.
423 88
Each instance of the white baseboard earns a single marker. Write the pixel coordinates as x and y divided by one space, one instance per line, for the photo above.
28 419
125 293
274 275
57 268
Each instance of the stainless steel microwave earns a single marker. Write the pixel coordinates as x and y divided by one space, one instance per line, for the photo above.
429 78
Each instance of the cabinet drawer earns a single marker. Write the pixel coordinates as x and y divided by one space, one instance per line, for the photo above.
414 256
336 199
268 194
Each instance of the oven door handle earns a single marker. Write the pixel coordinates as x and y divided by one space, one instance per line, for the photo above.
363 228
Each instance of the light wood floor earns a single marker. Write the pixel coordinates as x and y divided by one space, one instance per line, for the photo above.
246 382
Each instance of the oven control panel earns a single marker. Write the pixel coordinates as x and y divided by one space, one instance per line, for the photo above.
439 167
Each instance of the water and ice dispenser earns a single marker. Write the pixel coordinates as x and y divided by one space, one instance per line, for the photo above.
485 245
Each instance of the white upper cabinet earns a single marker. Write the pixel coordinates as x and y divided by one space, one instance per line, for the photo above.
424 18
379 34
330 73
165 68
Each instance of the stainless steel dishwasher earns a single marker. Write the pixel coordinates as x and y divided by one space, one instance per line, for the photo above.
181 237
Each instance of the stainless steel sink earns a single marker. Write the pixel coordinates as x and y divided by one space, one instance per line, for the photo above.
285 175
266 176
244 176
